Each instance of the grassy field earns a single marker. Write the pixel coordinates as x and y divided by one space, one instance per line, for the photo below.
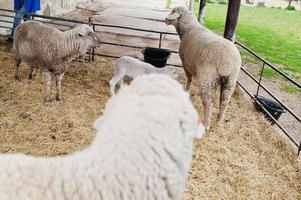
273 33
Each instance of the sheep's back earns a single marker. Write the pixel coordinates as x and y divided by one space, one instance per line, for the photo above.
201 47
36 43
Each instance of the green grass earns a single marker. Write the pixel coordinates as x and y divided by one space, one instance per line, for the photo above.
168 4
275 34
290 89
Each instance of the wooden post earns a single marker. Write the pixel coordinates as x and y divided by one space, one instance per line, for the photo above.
232 18
201 16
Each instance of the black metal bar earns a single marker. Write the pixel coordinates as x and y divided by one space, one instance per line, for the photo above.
267 112
54 23
266 90
5 21
259 83
160 41
123 45
104 55
93 49
6 27
135 29
60 19
270 65
1 9
10 16
100 24
129 46
244 89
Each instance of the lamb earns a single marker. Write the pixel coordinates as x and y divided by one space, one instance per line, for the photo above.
51 50
133 67
208 57
142 150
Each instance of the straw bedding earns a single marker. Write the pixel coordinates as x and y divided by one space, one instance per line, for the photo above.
245 158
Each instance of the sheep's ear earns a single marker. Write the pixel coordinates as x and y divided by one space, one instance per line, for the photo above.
173 16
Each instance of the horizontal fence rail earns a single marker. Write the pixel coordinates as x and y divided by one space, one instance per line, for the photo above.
56 20
260 86
270 65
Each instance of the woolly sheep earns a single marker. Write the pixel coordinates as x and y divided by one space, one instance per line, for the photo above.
142 150
133 67
209 57
51 50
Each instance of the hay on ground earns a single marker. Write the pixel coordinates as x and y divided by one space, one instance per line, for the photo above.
245 158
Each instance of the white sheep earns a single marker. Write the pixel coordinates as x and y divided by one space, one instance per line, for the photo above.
142 150
51 50
210 58
132 67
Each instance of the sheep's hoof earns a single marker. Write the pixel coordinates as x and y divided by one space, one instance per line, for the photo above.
58 98
18 78
47 100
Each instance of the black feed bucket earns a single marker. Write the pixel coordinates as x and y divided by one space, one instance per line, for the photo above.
274 108
155 56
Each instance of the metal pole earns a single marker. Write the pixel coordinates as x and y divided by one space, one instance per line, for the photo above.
259 82
93 50
160 41
201 16
232 18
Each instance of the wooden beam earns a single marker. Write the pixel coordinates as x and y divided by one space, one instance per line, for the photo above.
232 18
201 16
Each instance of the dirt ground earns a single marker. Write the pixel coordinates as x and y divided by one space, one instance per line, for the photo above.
245 158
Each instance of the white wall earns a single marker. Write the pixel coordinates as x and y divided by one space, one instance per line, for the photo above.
52 7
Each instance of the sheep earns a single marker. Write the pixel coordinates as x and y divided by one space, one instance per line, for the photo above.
142 150
133 67
51 50
208 57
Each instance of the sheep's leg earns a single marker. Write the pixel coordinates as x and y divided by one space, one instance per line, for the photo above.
227 89
17 65
59 78
188 81
47 81
207 103
113 83
31 72
206 96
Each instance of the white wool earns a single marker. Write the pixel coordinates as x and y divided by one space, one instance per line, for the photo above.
209 58
142 150
132 67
